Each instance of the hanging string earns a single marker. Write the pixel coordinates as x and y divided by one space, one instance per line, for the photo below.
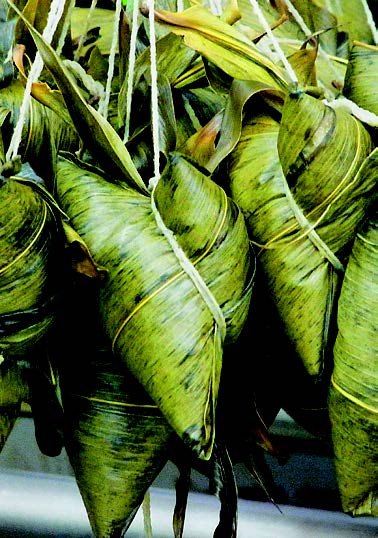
104 102
215 7
343 103
55 14
180 5
192 272
66 26
154 95
131 69
264 23
186 264
298 18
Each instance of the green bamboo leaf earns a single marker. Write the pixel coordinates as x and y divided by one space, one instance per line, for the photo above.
195 108
273 12
201 146
319 19
361 75
305 184
354 393
100 18
173 58
95 131
185 216
44 132
351 16
303 61
240 92
223 45
150 308
313 23
316 147
40 90
36 12
30 270
354 433
116 439
350 357
167 118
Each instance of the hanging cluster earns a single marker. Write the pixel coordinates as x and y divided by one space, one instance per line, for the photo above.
188 241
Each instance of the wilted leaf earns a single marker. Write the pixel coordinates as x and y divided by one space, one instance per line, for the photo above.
241 91
223 45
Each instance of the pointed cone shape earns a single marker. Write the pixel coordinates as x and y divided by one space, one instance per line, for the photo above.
304 183
117 441
159 322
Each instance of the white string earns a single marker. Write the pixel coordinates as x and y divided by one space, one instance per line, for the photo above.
215 7
154 95
104 102
55 14
180 5
365 116
299 19
66 26
185 263
192 272
131 69
370 20
264 23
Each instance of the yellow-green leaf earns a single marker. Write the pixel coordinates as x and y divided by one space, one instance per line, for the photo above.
360 84
223 45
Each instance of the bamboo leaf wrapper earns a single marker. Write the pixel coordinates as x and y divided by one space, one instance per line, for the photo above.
150 309
29 265
303 205
353 400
